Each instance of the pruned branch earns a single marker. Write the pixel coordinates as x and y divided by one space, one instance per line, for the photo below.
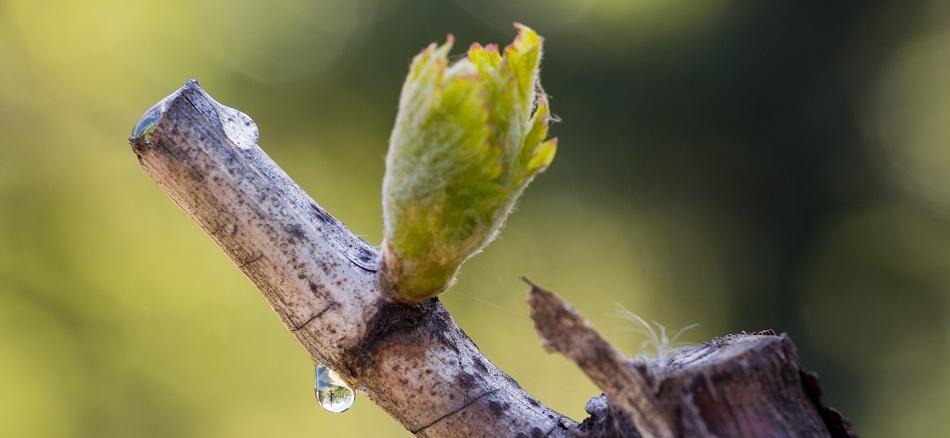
739 385
565 331
320 279
412 359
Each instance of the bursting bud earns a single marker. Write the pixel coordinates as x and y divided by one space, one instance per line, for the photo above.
468 138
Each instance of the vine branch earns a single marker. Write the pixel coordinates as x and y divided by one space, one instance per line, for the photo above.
412 359
321 281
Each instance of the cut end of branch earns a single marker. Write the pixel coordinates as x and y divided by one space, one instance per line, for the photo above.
149 120
237 127
562 329
559 326
723 387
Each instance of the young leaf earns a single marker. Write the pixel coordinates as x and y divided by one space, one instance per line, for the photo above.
468 139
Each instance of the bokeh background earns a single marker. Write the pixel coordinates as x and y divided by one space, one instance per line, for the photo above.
741 165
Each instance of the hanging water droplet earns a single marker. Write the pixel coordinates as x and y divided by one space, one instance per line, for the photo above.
332 392
237 126
152 116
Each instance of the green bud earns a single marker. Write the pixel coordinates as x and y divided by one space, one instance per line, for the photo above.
468 138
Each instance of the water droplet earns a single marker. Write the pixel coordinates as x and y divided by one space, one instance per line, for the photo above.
237 126
332 392
152 116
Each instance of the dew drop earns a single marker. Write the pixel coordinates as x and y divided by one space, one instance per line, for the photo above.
152 116
332 392
237 126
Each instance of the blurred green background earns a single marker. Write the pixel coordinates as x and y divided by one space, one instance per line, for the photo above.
741 165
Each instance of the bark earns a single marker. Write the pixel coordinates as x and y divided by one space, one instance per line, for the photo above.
320 279
738 385
413 360
563 330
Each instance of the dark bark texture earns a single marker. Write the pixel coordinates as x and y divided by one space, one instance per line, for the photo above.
748 385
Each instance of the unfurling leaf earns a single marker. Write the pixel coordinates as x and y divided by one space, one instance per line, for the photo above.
468 138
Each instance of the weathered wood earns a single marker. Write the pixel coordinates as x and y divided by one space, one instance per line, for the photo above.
320 279
565 331
739 385
744 385
413 360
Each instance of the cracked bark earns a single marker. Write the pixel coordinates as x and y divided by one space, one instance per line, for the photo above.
411 360
738 385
